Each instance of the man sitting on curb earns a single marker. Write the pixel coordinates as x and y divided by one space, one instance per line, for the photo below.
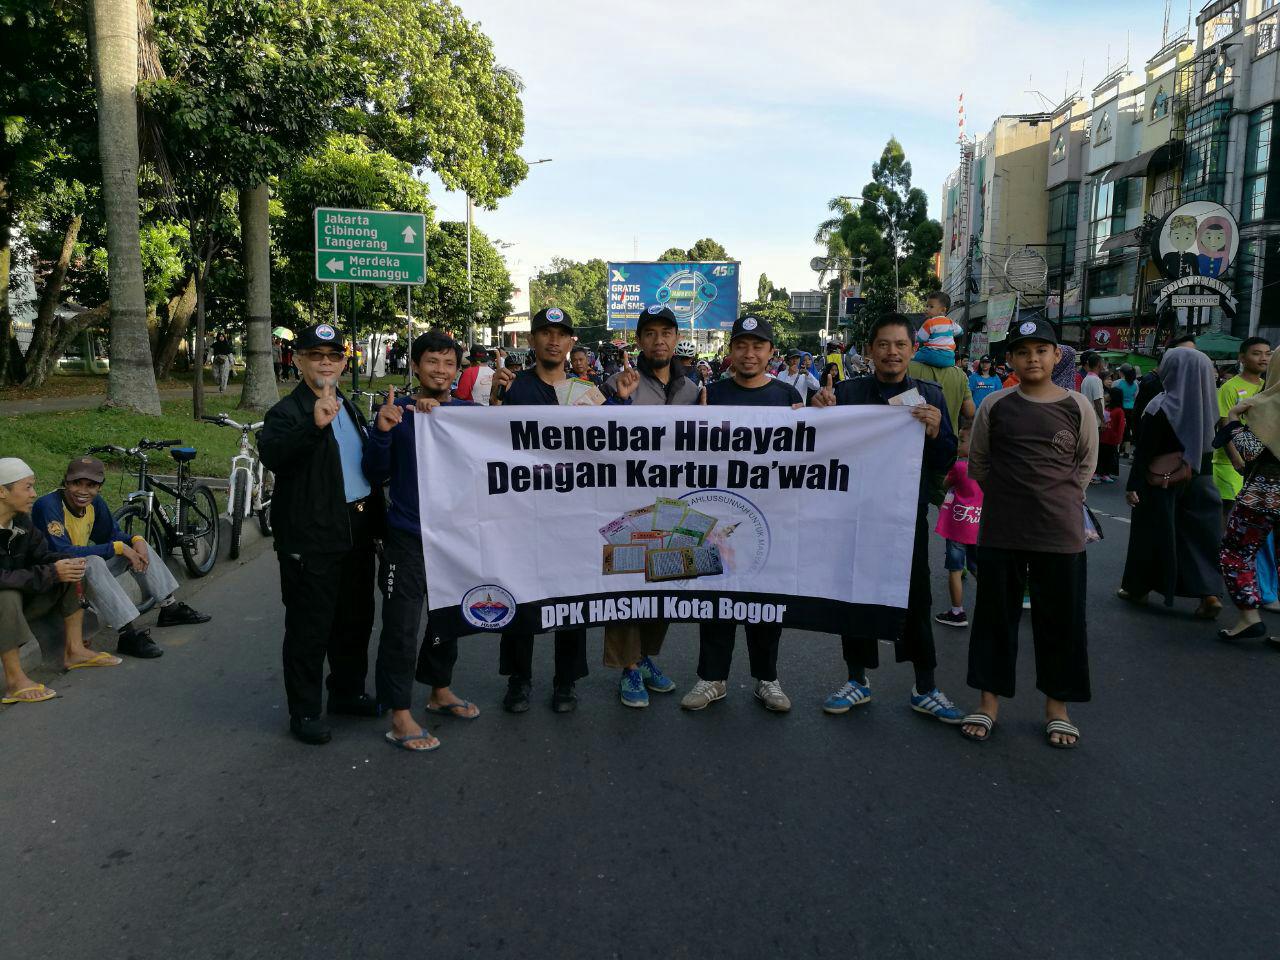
78 523
34 581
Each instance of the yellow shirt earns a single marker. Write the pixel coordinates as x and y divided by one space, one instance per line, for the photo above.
78 528
1225 475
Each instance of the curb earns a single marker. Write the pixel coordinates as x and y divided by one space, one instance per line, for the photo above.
47 651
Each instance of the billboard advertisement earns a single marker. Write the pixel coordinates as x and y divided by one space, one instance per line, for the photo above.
703 296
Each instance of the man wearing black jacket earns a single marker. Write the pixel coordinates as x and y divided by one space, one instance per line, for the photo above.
325 520
892 344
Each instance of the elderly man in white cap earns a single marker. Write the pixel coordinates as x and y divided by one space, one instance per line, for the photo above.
34 581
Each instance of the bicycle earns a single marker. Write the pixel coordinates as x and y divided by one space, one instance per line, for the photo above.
189 525
250 484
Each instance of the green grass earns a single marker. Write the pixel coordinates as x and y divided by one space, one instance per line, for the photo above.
48 441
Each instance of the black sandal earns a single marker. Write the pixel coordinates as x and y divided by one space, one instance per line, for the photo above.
1062 728
987 724
1254 632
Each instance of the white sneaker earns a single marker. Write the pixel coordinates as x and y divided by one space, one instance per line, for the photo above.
703 694
769 692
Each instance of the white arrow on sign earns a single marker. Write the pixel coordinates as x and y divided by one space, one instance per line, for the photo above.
408 234
335 265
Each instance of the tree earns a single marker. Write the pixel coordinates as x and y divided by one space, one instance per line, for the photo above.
891 228
704 249
131 382
248 87
259 391
444 301
578 288
779 316
764 289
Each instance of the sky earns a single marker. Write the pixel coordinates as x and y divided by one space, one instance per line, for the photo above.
739 120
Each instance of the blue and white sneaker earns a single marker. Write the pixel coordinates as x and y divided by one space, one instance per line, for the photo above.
937 705
655 679
847 697
631 689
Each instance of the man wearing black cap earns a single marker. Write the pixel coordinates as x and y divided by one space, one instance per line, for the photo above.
78 523
477 379
750 349
1033 452
801 378
892 345
631 647
551 338
325 523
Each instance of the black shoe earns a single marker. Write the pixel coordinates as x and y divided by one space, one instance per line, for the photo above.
361 706
310 730
1253 632
517 698
563 699
180 615
949 619
138 643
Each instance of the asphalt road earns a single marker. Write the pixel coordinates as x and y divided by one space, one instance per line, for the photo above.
160 810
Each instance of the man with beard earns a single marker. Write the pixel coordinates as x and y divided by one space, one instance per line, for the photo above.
390 455
630 647
551 338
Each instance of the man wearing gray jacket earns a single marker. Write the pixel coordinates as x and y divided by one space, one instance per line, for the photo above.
631 647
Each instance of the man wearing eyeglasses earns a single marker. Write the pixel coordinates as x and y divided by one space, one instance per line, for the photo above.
325 520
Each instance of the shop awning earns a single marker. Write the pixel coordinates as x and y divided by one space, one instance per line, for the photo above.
1137 167
1121 240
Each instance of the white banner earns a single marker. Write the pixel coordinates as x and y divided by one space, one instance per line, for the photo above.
550 517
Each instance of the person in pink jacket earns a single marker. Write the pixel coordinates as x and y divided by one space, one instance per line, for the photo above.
958 520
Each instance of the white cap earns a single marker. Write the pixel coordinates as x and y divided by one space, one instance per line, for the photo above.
12 469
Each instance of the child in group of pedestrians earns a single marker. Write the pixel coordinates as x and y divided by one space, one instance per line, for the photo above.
1113 431
958 520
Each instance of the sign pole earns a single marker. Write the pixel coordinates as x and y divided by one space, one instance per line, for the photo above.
355 348
408 343
335 306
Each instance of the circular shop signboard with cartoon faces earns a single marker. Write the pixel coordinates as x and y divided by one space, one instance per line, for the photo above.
1198 239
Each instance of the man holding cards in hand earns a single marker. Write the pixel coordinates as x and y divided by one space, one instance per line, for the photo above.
750 350
551 337
892 344
630 647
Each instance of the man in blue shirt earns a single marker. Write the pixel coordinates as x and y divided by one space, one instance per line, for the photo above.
78 523
325 522
391 456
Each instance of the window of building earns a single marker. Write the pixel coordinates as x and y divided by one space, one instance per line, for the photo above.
1160 105
1106 215
1266 37
1139 106
1059 148
1205 157
1112 281
1064 201
1257 257
1257 168
1221 25
1104 128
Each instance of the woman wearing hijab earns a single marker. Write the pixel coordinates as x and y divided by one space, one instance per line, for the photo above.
1064 371
1177 511
1256 512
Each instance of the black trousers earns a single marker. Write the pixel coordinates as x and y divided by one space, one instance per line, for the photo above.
1057 586
915 643
715 649
515 654
403 581
328 611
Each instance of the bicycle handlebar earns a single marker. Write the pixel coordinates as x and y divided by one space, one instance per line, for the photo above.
223 420
108 448
157 444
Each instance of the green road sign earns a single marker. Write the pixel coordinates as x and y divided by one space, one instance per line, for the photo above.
370 246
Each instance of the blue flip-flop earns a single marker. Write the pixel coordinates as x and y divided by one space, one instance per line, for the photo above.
403 742
452 710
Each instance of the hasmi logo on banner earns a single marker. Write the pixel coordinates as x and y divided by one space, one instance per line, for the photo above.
488 607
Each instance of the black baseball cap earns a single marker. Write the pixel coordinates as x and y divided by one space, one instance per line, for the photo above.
1037 329
85 468
551 317
656 313
478 352
751 327
793 354
320 335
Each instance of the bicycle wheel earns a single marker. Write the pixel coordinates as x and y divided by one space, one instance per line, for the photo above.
198 528
239 496
131 520
264 511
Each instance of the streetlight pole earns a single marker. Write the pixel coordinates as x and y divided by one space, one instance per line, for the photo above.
471 324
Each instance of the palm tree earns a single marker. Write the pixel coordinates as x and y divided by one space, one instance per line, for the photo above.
114 32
